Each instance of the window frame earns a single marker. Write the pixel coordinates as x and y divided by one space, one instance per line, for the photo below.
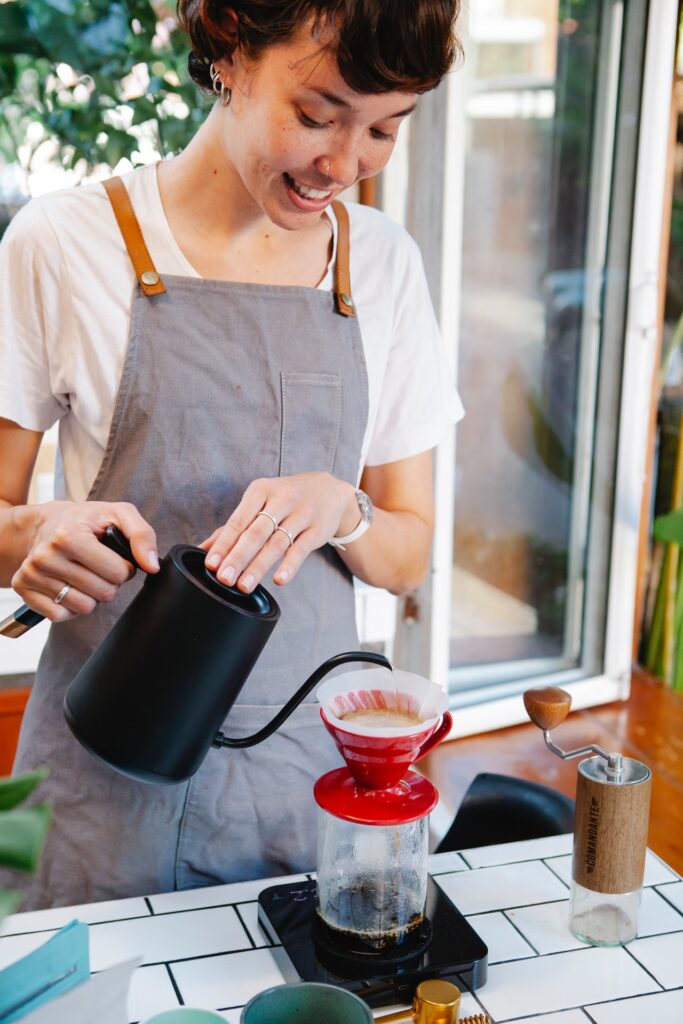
421 642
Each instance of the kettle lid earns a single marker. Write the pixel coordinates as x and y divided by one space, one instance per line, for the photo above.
190 561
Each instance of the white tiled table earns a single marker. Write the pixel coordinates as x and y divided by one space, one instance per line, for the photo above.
204 947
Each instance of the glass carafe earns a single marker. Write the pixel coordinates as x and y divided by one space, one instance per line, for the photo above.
372 866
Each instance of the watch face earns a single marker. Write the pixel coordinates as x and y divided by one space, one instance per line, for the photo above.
367 509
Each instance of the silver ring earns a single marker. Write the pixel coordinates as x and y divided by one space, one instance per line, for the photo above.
283 529
270 516
62 594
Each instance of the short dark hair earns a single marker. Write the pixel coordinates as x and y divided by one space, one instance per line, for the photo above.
380 45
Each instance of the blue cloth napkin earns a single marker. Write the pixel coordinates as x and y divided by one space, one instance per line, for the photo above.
55 967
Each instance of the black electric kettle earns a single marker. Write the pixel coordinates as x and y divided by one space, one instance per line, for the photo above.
151 698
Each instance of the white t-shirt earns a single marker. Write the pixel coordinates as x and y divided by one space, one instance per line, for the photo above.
66 284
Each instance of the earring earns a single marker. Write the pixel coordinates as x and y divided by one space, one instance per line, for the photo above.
219 87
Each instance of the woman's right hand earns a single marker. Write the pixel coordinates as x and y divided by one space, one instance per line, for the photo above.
65 550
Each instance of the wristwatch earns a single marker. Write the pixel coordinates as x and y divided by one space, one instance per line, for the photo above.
367 515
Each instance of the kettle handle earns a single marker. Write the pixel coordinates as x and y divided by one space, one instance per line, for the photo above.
24 618
338 659
117 542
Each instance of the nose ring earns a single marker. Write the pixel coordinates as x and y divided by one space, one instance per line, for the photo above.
327 168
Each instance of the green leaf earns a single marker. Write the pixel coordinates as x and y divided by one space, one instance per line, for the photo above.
15 789
669 528
9 901
109 35
22 836
143 110
15 32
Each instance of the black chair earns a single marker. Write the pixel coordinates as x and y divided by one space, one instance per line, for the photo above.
503 809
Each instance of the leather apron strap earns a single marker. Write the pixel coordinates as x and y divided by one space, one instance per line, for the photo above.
150 280
144 268
342 275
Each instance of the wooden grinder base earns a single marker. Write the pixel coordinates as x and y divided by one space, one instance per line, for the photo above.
610 833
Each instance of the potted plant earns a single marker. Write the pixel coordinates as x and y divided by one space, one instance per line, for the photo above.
22 831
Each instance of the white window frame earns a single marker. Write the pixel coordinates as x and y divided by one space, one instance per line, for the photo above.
422 645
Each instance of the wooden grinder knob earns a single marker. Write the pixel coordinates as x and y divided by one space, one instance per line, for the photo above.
547 706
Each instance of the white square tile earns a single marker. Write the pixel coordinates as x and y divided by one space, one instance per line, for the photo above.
546 926
167 937
528 849
497 888
660 1008
225 981
656 915
664 867
662 955
563 1017
150 992
673 893
89 913
655 871
562 867
468 1005
504 942
439 863
562 981
16 946
249 914
216 895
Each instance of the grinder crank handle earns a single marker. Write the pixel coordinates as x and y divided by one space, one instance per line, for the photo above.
548 706
25 618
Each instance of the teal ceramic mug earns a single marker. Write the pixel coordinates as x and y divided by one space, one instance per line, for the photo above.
306 1002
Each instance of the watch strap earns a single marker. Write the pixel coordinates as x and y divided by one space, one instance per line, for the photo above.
341 542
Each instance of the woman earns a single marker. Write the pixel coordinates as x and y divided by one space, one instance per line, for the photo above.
224 372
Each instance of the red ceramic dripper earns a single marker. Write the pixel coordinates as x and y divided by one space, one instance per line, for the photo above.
378 758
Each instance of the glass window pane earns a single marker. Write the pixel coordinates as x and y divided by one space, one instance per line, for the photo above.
535 221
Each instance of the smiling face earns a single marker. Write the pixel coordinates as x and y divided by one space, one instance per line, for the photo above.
295 132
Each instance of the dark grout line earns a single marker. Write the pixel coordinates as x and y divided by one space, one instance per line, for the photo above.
242 922
528 941
665 898
175 985
642 966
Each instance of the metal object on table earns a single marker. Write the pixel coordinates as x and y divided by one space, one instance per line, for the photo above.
435 1002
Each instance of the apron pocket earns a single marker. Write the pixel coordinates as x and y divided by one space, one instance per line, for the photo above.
311 415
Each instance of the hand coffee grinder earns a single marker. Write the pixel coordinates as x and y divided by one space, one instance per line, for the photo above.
610 830
375 921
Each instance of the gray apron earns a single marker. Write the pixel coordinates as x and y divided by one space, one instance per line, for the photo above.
222 383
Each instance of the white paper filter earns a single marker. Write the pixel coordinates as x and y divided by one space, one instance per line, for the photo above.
381 689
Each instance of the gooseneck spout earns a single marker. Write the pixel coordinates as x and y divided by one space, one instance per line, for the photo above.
338 659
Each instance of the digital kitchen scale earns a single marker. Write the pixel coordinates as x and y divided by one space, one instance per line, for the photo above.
447 947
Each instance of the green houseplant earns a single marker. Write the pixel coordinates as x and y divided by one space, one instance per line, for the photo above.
87 83
22 831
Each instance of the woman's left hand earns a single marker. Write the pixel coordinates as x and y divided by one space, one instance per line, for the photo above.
309 508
